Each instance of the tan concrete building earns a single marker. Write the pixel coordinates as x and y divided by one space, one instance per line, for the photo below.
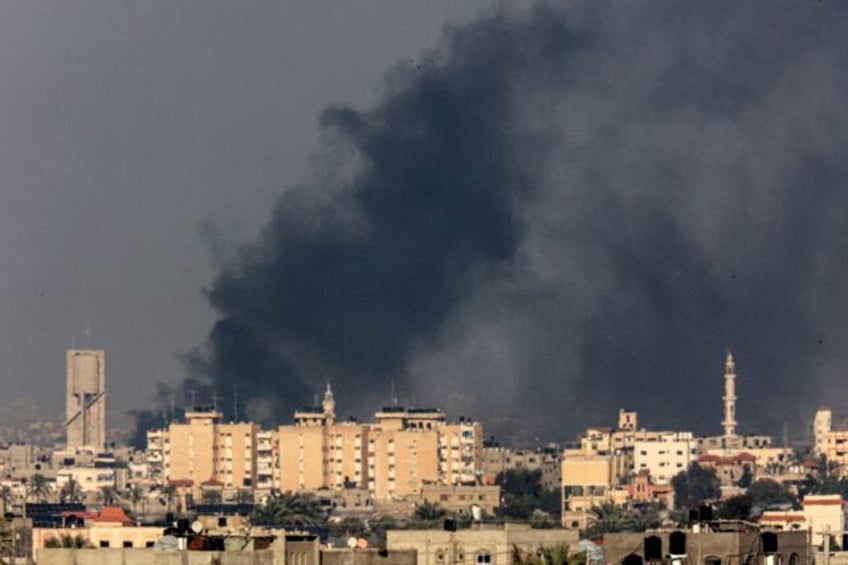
393 457
665 456
401 461
822 426
204 450
85 399
495 545
707 547
460 499
586 482
819 514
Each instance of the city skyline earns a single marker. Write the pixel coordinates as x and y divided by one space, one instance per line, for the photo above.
528 214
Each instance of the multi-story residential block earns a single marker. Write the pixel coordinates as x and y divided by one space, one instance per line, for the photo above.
203 450
497 459
664 457
460 453
819 514
822 426
392 457
586 482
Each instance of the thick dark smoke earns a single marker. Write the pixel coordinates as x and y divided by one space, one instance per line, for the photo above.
563 211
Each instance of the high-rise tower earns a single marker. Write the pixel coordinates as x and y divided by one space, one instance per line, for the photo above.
85 406
729 422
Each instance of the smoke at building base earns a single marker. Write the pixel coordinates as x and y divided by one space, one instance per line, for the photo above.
559 212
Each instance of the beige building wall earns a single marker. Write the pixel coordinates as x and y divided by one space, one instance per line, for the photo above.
496 545
235 453
201 449
461 453
664 457
190 449
824 512
85 399
347 455
302 457
586 482
822 426
401 461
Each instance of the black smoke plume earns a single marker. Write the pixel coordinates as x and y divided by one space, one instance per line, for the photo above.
561 211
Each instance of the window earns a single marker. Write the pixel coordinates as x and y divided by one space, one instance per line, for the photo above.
128 543
104 543
484 557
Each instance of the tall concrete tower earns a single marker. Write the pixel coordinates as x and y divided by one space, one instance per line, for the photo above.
729 422
85 405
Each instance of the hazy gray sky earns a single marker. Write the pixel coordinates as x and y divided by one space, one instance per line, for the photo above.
125 127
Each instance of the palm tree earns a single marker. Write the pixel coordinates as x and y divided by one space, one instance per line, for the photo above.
607 518
243 496
290 509
429 512
38 487
71 491
136 495
7 496
644 518
169 493
109 495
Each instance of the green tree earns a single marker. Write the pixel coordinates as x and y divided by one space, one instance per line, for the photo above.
38 488
736 508
747 477
522 494
71 491
135 494
68 541
169 494
607 518
646 517
694 486
290 509
7 496
429 512
766 492
210 496
109 496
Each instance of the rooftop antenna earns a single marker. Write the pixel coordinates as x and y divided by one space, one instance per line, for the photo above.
215 399
394 393
193 395
173 407
235 402
88 335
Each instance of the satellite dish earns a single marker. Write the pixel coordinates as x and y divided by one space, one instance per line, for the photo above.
351 542
197 526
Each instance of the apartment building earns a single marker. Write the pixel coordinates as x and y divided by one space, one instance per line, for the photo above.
202 449
665 456
586 482
497 459
392 457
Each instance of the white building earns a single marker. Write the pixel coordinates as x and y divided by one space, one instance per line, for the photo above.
665 456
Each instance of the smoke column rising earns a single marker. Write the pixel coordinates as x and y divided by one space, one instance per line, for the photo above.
563 211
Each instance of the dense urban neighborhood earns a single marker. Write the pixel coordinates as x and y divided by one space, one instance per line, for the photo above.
411 477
